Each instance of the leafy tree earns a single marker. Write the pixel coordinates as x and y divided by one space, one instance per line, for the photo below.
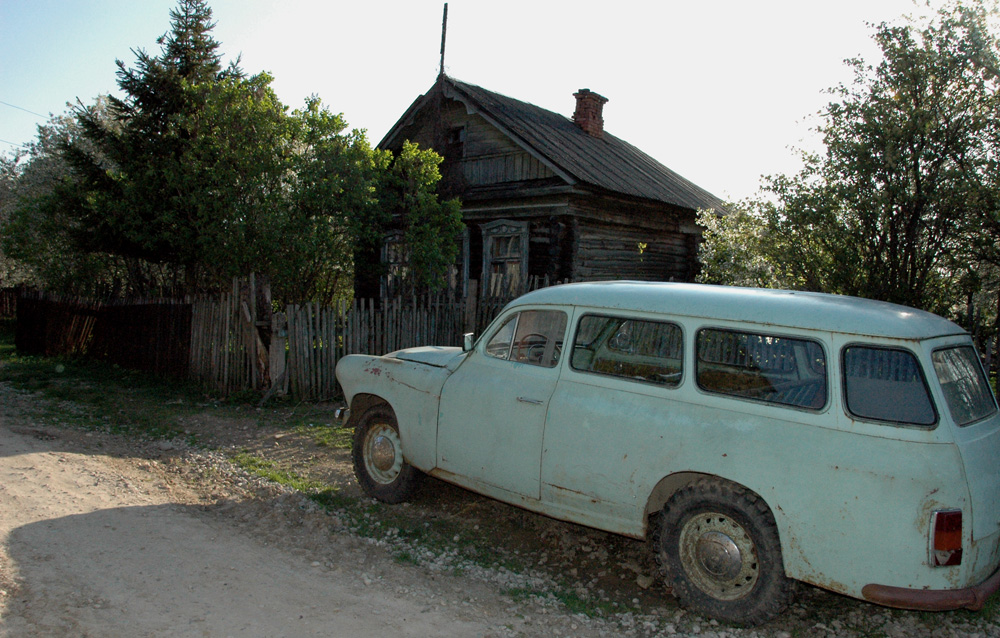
200 174
37 236
430 228
143 191
334 206
888 210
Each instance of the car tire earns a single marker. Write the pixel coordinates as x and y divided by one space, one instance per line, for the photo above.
377 453
717 548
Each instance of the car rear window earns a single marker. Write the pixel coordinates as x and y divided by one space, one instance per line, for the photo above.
636 349
762 367
965 387
886 384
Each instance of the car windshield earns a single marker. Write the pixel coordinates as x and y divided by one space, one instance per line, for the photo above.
964 385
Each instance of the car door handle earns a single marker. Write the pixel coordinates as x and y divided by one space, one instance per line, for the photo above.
531 401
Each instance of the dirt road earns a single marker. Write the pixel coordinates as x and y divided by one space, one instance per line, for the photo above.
98 548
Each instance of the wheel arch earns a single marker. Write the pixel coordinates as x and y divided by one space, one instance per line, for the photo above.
670 484
361 403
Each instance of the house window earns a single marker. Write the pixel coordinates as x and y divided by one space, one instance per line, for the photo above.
505 256
394 257
397 278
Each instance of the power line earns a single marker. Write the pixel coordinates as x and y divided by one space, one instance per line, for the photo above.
14 106
11 143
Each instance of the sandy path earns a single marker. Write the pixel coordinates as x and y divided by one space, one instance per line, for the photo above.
98 548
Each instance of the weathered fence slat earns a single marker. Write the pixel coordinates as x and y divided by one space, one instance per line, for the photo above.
215 339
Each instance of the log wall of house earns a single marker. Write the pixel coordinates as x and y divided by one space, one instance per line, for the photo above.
613 251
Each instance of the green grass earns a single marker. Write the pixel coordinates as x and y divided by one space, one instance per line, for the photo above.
331 435
105 397
269 470
573 602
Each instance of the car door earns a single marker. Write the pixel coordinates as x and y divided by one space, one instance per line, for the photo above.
493 406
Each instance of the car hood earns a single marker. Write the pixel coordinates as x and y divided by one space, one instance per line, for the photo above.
437 356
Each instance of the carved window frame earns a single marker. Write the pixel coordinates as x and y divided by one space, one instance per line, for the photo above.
395 260
493 234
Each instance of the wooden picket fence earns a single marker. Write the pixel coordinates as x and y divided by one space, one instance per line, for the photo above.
319 336
221 341
140 334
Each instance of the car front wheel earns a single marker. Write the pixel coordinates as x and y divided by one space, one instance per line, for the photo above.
377 453
717 546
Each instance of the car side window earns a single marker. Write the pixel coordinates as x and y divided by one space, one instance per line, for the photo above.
534 337
762 367
886 384
646 351
965 387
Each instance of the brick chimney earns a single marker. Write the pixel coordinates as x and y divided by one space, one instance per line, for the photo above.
588 115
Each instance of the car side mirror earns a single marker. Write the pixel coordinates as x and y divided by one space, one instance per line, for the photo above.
467 341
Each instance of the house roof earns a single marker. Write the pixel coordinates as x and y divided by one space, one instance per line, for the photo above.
607 162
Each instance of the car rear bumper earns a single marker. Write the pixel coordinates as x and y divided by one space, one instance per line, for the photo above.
933 599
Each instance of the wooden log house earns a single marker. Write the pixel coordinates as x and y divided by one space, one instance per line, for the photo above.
544 195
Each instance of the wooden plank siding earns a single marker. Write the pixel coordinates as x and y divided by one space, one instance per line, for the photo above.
502 167
611 251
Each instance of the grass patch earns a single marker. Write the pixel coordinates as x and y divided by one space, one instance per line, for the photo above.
591 607
121 401
331 435
572 601
271 471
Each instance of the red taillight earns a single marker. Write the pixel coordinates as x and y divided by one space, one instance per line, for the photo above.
946 541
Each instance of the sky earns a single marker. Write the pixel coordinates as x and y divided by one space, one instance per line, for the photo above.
721 92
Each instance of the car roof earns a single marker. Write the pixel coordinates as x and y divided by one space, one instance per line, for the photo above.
784 308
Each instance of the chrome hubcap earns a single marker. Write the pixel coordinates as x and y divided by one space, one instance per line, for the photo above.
383 453
382 457
718 556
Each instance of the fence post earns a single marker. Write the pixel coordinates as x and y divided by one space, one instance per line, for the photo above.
277 356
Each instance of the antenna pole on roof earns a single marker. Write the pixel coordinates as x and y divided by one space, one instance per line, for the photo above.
444 32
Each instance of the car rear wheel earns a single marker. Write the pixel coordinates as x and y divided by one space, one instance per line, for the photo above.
377 453
717 547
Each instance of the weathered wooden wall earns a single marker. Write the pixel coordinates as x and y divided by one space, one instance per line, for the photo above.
606 251
152 335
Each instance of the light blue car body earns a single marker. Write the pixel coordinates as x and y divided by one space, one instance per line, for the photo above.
853 498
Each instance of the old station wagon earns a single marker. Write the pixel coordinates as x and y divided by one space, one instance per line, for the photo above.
756 437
